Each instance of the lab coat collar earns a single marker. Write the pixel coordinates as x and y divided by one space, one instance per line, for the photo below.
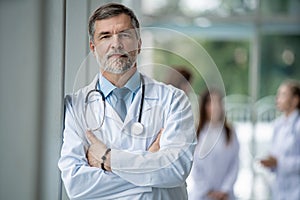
150 100
151 93
92 85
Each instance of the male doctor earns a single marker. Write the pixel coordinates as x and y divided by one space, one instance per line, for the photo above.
115 162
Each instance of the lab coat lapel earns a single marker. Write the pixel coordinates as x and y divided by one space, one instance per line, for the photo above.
150 100
112 114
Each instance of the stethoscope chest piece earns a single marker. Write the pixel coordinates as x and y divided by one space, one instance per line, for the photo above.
137 128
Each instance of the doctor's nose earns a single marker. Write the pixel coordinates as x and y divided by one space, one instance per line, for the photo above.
116 42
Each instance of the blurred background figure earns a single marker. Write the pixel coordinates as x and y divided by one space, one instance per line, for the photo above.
216 158
284 157
180 78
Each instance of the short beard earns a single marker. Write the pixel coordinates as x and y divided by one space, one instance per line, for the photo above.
118 65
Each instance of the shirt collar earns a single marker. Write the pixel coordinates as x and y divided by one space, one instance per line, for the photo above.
133 84
107 87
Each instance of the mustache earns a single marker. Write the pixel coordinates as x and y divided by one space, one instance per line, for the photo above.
117 52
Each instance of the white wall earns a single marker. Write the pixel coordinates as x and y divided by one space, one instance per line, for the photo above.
31 87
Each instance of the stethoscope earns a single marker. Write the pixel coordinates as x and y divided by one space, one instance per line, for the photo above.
137 128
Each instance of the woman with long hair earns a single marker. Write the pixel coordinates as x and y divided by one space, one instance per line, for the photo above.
284 157
216 157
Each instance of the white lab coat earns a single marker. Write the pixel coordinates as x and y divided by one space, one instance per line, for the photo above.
136 173
286 148
216 164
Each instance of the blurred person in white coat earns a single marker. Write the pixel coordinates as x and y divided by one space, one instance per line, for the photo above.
284 157
216 157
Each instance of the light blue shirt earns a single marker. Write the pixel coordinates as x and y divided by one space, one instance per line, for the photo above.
286 149
136 173
133 84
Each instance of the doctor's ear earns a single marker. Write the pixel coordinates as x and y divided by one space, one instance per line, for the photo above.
139 45
92 47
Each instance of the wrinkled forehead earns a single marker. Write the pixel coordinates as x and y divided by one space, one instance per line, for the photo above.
114 24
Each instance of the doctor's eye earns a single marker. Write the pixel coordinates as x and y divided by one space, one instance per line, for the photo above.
103 37
125 35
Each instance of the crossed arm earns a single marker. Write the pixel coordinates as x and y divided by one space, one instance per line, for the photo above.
97 149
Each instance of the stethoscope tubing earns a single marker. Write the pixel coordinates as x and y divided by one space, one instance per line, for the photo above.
104 101
142 101
104 106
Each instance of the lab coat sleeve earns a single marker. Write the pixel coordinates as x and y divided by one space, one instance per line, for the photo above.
289 163
82 181
233 169
170 166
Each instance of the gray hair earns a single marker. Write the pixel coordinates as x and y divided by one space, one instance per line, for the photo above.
111 10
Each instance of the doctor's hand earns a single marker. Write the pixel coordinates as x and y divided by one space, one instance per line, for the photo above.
155 146
96 150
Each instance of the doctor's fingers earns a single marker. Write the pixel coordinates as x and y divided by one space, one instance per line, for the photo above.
92 161
91 137
96 151
159 135
155 146
157 140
